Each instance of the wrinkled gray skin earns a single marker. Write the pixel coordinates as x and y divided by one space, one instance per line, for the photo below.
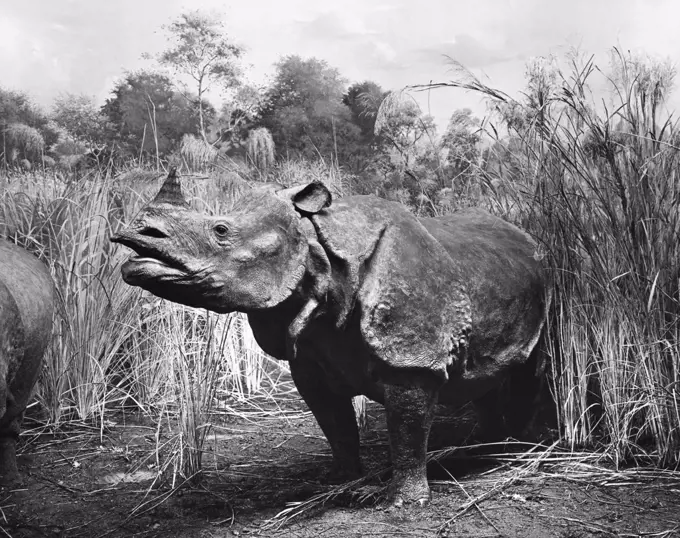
360 296
26 303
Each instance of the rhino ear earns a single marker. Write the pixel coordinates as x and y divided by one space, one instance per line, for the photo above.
308 199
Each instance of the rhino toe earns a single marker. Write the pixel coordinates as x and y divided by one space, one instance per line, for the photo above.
413 491
399 502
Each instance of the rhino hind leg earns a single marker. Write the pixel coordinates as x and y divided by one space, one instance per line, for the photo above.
491 425
509 409
20 372
334 413
410 410
519 398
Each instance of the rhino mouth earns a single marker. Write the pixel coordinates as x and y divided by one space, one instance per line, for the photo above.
147 262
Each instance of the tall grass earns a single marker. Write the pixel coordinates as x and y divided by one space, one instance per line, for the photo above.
93 308
598 185
113 344
199 345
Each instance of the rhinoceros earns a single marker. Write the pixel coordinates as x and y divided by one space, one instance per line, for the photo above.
26 304
360 297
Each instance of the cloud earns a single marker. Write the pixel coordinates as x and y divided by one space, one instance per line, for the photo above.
26 59
72 46
10 36
400 42
349 41
331 26
466 50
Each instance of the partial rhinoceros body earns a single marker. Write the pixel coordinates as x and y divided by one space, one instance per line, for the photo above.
360 296
26 303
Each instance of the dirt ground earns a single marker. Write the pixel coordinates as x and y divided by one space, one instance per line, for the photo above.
81 483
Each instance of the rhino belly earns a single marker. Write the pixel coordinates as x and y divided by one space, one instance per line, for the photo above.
461 389
346 363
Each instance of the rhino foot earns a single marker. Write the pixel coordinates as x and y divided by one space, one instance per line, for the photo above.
11 480
408 490
400 503
9 473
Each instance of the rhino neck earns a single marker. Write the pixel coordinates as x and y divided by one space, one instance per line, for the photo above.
278 328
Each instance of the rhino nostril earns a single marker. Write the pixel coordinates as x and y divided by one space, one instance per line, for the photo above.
150 231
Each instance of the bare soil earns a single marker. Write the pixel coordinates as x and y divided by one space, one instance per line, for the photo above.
89 482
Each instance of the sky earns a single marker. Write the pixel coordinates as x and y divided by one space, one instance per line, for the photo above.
84 46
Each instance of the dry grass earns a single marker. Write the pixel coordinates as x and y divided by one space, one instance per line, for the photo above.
298 172
260 149
196 153
93 308
114 344
528 464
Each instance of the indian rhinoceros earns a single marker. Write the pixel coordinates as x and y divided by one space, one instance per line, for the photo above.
26 304
360 297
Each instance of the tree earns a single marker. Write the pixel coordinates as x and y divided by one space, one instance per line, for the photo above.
460 161
402 124
149 115
363 100
412 167
461 140
231 126
304 112
204 53
25 142
81 118
26 130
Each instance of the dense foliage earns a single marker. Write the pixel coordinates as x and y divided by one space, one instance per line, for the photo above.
149 115
381 141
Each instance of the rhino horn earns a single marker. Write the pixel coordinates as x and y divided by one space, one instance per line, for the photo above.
171 191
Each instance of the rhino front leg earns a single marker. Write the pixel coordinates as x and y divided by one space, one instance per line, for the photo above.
410 411
9 434
334 413
9 473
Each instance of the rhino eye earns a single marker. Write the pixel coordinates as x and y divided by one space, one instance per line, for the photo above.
221 231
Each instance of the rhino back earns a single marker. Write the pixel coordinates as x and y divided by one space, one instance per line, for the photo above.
424 271
489 253
398 280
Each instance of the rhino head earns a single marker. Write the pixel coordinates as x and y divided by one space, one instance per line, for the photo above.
250 259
